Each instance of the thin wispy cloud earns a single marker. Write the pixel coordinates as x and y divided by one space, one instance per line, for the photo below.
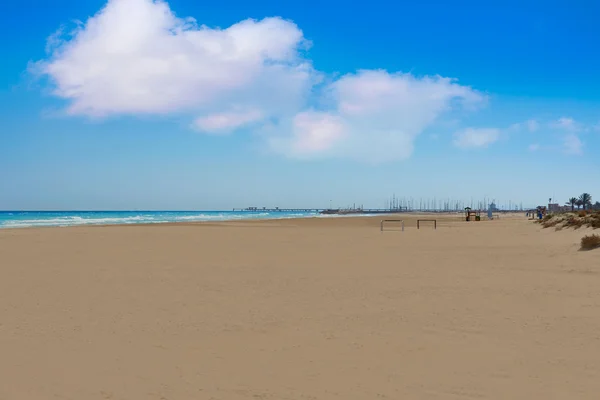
566 124
471 138
572 144
571 130
567 133
531 125
226 122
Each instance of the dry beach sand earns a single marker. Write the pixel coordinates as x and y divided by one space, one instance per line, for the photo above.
299 309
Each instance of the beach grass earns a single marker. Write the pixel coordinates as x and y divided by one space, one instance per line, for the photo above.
590 242
574 220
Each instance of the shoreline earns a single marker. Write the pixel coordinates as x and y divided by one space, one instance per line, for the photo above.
445 216
239 217
224 221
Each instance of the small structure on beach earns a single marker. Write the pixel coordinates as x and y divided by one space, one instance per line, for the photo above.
471 215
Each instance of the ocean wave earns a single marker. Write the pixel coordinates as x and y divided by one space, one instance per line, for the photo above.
74 220
209 217
42 219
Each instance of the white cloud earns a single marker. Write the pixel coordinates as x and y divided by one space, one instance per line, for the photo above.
136 57
315 132
375 116
531 125
566 124
572 144
567 130
476 137
225 122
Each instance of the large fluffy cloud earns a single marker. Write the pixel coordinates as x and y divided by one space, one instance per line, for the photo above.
375 115
136 57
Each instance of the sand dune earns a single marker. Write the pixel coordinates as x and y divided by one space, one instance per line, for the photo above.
326 308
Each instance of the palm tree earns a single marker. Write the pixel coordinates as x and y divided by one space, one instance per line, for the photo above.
579 203
572 201
586 199
597 205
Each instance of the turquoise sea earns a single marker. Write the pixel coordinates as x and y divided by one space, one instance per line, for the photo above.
23 219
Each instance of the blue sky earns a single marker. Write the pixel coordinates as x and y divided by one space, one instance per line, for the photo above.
142 108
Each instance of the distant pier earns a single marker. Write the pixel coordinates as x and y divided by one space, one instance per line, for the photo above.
337 211
277 209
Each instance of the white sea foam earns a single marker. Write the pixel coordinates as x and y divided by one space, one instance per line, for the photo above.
73 220
38 220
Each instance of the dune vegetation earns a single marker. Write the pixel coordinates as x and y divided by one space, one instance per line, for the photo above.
583 213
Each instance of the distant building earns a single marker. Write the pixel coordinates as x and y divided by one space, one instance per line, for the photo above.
555 207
